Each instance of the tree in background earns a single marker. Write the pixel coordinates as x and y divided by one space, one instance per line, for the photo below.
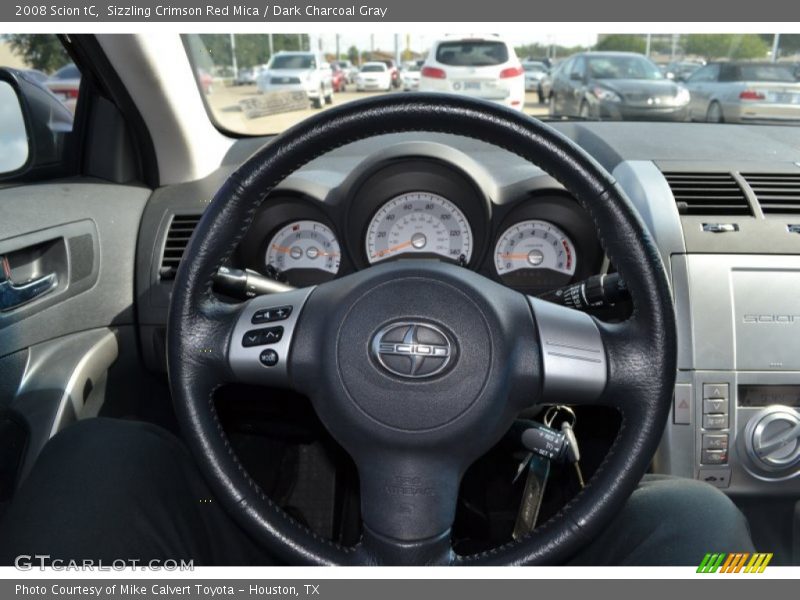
623 42
788 45
538 51
725 45
40 51
214 49
352 55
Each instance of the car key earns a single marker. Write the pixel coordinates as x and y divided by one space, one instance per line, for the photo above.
572 452
545 444
535 482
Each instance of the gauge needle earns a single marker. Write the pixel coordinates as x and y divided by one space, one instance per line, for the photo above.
391 249
513 256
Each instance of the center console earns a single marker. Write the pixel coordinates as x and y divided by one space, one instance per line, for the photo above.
735 273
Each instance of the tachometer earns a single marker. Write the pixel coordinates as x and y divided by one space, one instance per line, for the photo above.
301 246
535 250
420 224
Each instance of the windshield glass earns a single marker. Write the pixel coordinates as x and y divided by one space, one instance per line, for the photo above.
292 61
247 86
471 53
623 67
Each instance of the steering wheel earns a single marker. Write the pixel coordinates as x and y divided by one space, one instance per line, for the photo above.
417 368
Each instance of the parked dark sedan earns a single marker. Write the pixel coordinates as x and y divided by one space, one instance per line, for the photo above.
616 86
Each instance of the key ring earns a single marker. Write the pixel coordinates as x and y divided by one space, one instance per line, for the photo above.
553 411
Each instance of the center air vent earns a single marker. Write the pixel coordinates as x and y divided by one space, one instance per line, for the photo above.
707 194
180 230
777 193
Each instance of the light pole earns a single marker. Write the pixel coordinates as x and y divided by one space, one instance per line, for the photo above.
776 40
233 56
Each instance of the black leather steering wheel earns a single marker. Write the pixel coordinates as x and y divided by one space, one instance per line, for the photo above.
418 367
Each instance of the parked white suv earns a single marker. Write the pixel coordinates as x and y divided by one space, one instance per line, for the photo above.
305 71
480 66
374 76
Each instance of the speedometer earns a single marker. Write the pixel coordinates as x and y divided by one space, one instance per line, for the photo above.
301 248
535 253
420 224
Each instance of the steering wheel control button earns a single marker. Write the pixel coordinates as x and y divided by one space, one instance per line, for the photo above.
715 421
682 404
270 315
715 390
413 350
262 337
720 478
715 441
714 457
268 358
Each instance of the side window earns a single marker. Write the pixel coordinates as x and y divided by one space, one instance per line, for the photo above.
562 72
578 71
705 74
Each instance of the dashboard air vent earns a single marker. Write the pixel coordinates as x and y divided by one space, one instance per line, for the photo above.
777 193
180 230
707 194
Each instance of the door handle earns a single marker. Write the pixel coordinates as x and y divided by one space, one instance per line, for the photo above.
14 295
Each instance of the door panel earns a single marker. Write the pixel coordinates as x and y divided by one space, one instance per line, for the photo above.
56 347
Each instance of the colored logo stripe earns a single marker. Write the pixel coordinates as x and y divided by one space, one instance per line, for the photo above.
734 562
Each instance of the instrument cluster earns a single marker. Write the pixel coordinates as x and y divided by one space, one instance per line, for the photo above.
419 208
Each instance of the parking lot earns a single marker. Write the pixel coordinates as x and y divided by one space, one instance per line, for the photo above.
224 101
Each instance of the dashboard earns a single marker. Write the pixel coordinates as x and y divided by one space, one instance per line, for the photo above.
722 203
411 208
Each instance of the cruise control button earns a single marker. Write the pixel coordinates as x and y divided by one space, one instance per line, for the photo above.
269 315
268 358
715 421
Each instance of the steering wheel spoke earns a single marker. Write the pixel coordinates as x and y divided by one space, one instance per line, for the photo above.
574 359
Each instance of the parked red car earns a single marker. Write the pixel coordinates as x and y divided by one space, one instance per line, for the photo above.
339 78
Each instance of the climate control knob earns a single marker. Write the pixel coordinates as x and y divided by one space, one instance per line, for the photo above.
772 440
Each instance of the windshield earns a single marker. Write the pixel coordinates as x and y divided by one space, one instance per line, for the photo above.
623 67
247 86
292 61
472 53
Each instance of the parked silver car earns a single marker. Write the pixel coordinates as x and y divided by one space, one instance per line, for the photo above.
745 92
